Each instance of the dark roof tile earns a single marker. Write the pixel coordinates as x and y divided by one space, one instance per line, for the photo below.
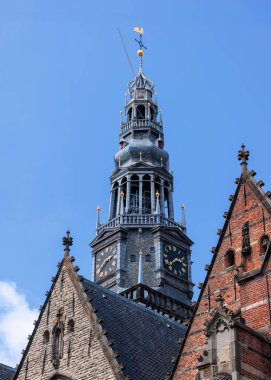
146 341
6 372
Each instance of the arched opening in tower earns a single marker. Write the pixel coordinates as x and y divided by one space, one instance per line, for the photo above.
153 115
146 191
134 202
114 199
140 112
166 200
123 194
129 114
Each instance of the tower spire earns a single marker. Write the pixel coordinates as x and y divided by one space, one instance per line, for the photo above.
243 156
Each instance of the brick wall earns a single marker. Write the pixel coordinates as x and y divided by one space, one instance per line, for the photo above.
251 296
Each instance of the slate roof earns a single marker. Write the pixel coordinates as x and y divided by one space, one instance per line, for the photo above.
147 342
6 373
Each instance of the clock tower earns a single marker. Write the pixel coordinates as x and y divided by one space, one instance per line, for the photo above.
142 252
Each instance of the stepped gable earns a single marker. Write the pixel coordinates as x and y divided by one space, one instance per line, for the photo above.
110 337
137 334
6 372
230 331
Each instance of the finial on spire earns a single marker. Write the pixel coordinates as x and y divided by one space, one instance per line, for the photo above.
98 223
140 52
157 208
183 215
67 242
243 156
122 203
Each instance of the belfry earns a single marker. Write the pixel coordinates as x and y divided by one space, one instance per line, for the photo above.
142 252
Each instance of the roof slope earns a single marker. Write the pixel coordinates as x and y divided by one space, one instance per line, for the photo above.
146 341
6 372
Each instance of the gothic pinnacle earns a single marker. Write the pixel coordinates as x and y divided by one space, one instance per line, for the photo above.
243 156
140 268
183 216
67 242
98 223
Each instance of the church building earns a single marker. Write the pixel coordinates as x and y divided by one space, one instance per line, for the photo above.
135 319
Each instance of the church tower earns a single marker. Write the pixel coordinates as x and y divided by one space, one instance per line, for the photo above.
142 252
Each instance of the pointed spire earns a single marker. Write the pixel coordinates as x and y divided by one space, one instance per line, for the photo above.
243 157
98 223
157 208
140 268
183 216
67 242
122 203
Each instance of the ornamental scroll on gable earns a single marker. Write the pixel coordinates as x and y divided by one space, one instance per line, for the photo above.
58 338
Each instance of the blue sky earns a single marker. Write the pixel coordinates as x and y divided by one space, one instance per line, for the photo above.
63 75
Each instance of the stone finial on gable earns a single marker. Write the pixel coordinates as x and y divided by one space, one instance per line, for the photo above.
67 242
243 156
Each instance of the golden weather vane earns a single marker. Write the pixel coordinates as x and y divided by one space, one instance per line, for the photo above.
140 31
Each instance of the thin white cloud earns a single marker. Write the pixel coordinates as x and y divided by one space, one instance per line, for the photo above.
16 323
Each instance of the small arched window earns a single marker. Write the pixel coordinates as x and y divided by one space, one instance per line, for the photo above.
71 326
46 337
263 244
229 259
148 258
132 258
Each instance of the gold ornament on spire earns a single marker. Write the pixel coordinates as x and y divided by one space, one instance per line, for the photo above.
140 32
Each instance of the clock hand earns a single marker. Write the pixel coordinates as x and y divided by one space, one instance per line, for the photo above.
174 261
104 263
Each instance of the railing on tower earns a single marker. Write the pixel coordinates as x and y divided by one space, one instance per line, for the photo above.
141 123
143 219
159 302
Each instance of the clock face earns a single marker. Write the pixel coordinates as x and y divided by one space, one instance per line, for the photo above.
106 262
175 260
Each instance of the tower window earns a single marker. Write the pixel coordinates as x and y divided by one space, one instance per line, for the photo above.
71 326
46 337
229 259
263 244
148 258
140 112
132 258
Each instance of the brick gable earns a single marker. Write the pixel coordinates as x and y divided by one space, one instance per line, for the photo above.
239 275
